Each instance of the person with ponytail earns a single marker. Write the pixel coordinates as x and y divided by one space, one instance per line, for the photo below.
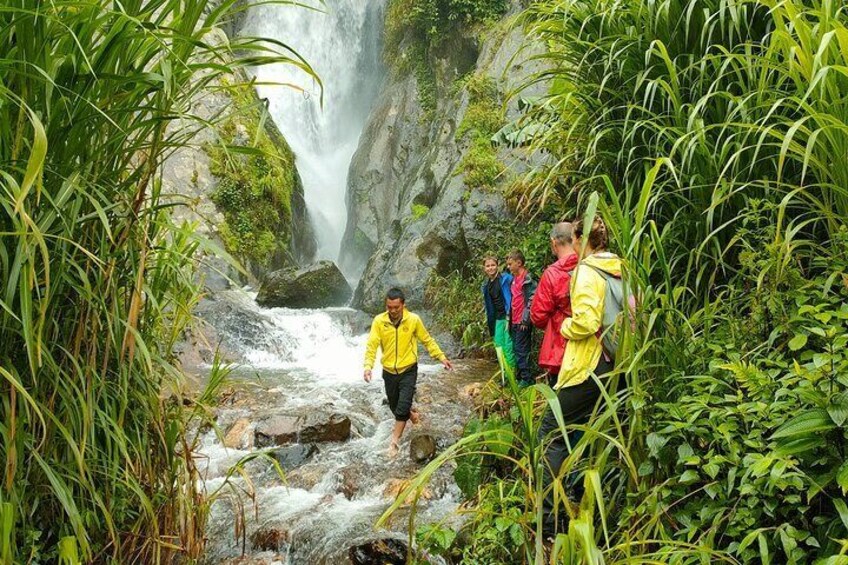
577 390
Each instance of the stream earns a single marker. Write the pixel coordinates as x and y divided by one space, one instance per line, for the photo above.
301 368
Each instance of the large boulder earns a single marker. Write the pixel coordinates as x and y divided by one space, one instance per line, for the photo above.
284 429
319 285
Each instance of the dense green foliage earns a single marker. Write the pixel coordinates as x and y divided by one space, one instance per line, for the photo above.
97 282
257 178
713 133
415 29
483 118
429 22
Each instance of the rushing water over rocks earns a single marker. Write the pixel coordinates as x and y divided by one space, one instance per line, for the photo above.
298 390
341 41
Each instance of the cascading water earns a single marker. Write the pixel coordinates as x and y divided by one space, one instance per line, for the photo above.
308 363
342 44
305 366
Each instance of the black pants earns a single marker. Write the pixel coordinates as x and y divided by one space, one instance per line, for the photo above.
577 403
521 345
400 389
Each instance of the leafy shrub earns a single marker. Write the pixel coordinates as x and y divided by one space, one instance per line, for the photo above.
458 307
480 165
749 442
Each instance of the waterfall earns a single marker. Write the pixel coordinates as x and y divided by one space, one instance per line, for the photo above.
341 40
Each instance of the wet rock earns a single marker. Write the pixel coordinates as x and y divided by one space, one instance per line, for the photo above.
379 552
395 486
305 477
319 285
422 448
293 456
348 481
311 428
239 435
253 560
472 393
269 539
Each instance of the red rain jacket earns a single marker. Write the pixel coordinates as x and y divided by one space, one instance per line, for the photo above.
551 305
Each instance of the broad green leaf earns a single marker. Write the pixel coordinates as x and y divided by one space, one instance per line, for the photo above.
842 509
765 558
838 410
655 443
842 477
689 476
796 446
809 422
797 342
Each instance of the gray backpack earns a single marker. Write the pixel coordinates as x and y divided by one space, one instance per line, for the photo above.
614 304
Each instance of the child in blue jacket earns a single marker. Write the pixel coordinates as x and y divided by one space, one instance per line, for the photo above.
498 300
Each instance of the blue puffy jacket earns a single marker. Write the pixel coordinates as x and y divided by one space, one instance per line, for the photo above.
506 284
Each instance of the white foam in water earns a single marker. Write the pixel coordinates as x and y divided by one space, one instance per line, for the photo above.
319 347
310 341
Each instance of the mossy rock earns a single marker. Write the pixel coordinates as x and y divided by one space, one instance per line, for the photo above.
317 286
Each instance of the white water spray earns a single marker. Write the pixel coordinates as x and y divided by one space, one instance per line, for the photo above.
342 43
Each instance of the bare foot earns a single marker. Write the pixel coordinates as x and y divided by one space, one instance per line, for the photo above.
392 451
414 416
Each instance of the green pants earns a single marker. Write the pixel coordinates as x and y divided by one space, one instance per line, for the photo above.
503 341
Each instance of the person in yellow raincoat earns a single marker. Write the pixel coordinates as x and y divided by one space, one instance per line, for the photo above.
397 332
577 391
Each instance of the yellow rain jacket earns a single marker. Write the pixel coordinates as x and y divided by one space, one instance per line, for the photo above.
399 343
583 348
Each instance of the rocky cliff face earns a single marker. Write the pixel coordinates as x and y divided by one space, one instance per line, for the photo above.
228 194
424 184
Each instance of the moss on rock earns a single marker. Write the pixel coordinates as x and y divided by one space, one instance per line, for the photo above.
418 32
482 119
257 178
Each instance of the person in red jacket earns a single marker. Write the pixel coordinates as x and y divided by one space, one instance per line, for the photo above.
552 301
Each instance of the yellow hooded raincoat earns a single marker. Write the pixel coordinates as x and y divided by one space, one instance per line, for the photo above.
399 343
583 348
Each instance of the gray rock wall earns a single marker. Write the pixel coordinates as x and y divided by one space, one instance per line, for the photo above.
408 158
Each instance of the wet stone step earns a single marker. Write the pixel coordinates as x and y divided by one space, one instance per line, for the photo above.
312 428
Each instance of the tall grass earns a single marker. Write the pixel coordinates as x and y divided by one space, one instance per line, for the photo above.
743 99
96 280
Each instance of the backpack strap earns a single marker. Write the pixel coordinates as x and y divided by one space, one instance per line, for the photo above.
600 333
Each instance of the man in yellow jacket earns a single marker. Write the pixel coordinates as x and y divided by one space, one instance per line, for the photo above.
397 332
577 391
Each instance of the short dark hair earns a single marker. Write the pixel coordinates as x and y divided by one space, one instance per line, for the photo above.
395 293
517 255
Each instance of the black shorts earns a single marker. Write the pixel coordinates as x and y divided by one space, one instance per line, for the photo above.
400 389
